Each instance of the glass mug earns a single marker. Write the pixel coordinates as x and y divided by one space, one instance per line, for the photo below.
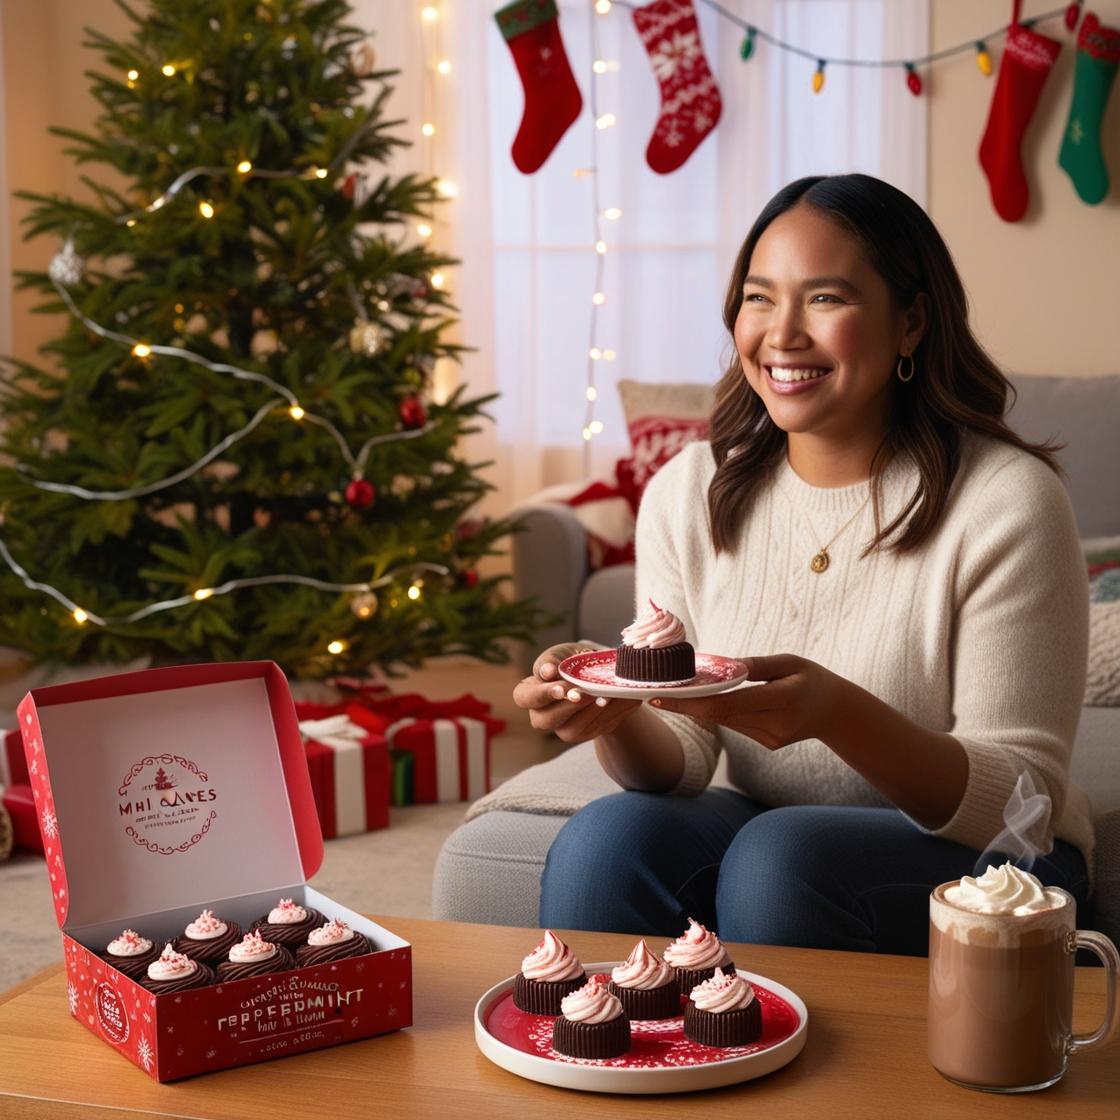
1001 993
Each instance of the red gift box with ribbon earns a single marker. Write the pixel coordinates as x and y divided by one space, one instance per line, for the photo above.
20 803
349 767
13 766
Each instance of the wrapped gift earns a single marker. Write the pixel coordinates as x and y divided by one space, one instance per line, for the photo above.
13 766
19 801
349 768
403 767
451 757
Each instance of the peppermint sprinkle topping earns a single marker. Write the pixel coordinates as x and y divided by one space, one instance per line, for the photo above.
333 932
287 912
252 947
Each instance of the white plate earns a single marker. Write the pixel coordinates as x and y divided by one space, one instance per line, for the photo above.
594 674
601 1077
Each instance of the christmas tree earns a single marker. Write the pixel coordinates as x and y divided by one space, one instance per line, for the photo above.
231 452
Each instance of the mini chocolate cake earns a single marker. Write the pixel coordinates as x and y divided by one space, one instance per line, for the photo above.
332 942
174 972
723 1012
669 665
254 956
645 986
549 973
696 955
208 938
576 1035
131 954
284 925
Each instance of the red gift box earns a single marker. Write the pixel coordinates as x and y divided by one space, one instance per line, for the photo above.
13 766
350 771
169 790
452 756
20 803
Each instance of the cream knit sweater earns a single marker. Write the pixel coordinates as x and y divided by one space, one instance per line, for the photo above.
981 633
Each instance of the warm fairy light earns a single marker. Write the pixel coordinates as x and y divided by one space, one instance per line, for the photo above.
595 353
206 209
592 393
612 213
424 230
607 120
80 616
443 66
599 66
141 350
447 188
602 6
295 412
437 279
429 14
427 129
818 77
336 647
244 167
203 593
598 299
179 309
130 223
134 75
983 60
416 590
582 172
365 611
600 247
158 203
168 70
586 433
320 172
608 355
596 427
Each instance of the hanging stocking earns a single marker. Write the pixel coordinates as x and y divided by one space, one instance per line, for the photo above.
690 101
1028 58
1098 55
552 98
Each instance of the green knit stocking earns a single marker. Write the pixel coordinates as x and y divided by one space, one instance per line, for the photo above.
1098 55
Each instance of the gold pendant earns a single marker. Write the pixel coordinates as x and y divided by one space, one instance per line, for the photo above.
819 562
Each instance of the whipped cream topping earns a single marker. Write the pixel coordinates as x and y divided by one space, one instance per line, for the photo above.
1003 890
287 913
654 629
252 948
551 961
697 947
641 970
334 932
206 927
170 965
129 944
723 992
592 1003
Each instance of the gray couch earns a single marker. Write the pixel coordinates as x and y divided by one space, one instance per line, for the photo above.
489 869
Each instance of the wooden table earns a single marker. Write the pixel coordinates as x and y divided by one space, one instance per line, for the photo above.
865 1056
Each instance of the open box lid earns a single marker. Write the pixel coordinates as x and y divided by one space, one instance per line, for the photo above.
169 787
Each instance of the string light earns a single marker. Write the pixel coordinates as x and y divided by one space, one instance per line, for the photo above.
599 298
447 188
424 230
983 60
607 120
203 593
416 590
429 14
336 647
296 412
168 70
134 75
443 67
818 76
244 167
80 616
913 80
206 209
437 279
141 350
600 247
427 129
602 6
612 213
746 48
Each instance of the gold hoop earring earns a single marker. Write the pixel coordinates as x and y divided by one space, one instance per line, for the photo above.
910 372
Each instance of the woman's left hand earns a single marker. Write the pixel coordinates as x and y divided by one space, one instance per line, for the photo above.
799 700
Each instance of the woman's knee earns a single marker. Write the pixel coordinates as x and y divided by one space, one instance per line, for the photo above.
617 828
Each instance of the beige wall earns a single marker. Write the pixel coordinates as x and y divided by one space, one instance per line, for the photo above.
1043 290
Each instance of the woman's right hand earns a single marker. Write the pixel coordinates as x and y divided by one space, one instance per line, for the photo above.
556 706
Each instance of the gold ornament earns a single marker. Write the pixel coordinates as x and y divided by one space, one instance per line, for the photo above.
363 60
364 604
366 338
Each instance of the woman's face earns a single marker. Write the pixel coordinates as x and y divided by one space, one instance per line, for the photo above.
818 333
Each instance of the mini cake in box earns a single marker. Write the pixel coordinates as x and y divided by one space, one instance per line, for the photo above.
176 808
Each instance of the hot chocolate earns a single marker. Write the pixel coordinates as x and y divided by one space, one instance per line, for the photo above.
1001 980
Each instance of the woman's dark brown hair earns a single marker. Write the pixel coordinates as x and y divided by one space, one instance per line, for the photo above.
956 389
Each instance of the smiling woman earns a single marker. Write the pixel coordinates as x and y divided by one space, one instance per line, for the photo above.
900 571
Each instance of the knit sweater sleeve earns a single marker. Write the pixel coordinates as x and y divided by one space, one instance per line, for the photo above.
673 514
1020 640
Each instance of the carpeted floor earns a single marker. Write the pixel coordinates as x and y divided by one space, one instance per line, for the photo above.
385 872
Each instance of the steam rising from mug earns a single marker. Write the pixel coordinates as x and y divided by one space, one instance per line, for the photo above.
1026 832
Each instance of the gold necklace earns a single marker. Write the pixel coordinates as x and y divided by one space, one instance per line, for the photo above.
820 561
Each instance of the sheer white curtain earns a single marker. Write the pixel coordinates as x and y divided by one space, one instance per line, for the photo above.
527 242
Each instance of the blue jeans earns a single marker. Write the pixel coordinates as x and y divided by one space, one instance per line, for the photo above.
818 876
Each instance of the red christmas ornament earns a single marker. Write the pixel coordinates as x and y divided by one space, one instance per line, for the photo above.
350 185
468 577
412 412
360 493
913 81
1073 13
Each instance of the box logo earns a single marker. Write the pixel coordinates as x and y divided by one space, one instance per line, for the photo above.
111 1015
166 803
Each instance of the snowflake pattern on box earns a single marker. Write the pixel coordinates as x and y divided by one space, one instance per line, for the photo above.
72 998
144 1052
50 824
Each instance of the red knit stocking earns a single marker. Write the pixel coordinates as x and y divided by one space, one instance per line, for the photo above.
552 98
1028 58
690 101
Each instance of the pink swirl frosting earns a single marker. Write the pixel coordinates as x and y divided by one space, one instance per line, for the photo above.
330 934
654 630
206 927
171 965
252 948
592 1003
696 948
129 944
728 992
551 961
287 913
642 970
